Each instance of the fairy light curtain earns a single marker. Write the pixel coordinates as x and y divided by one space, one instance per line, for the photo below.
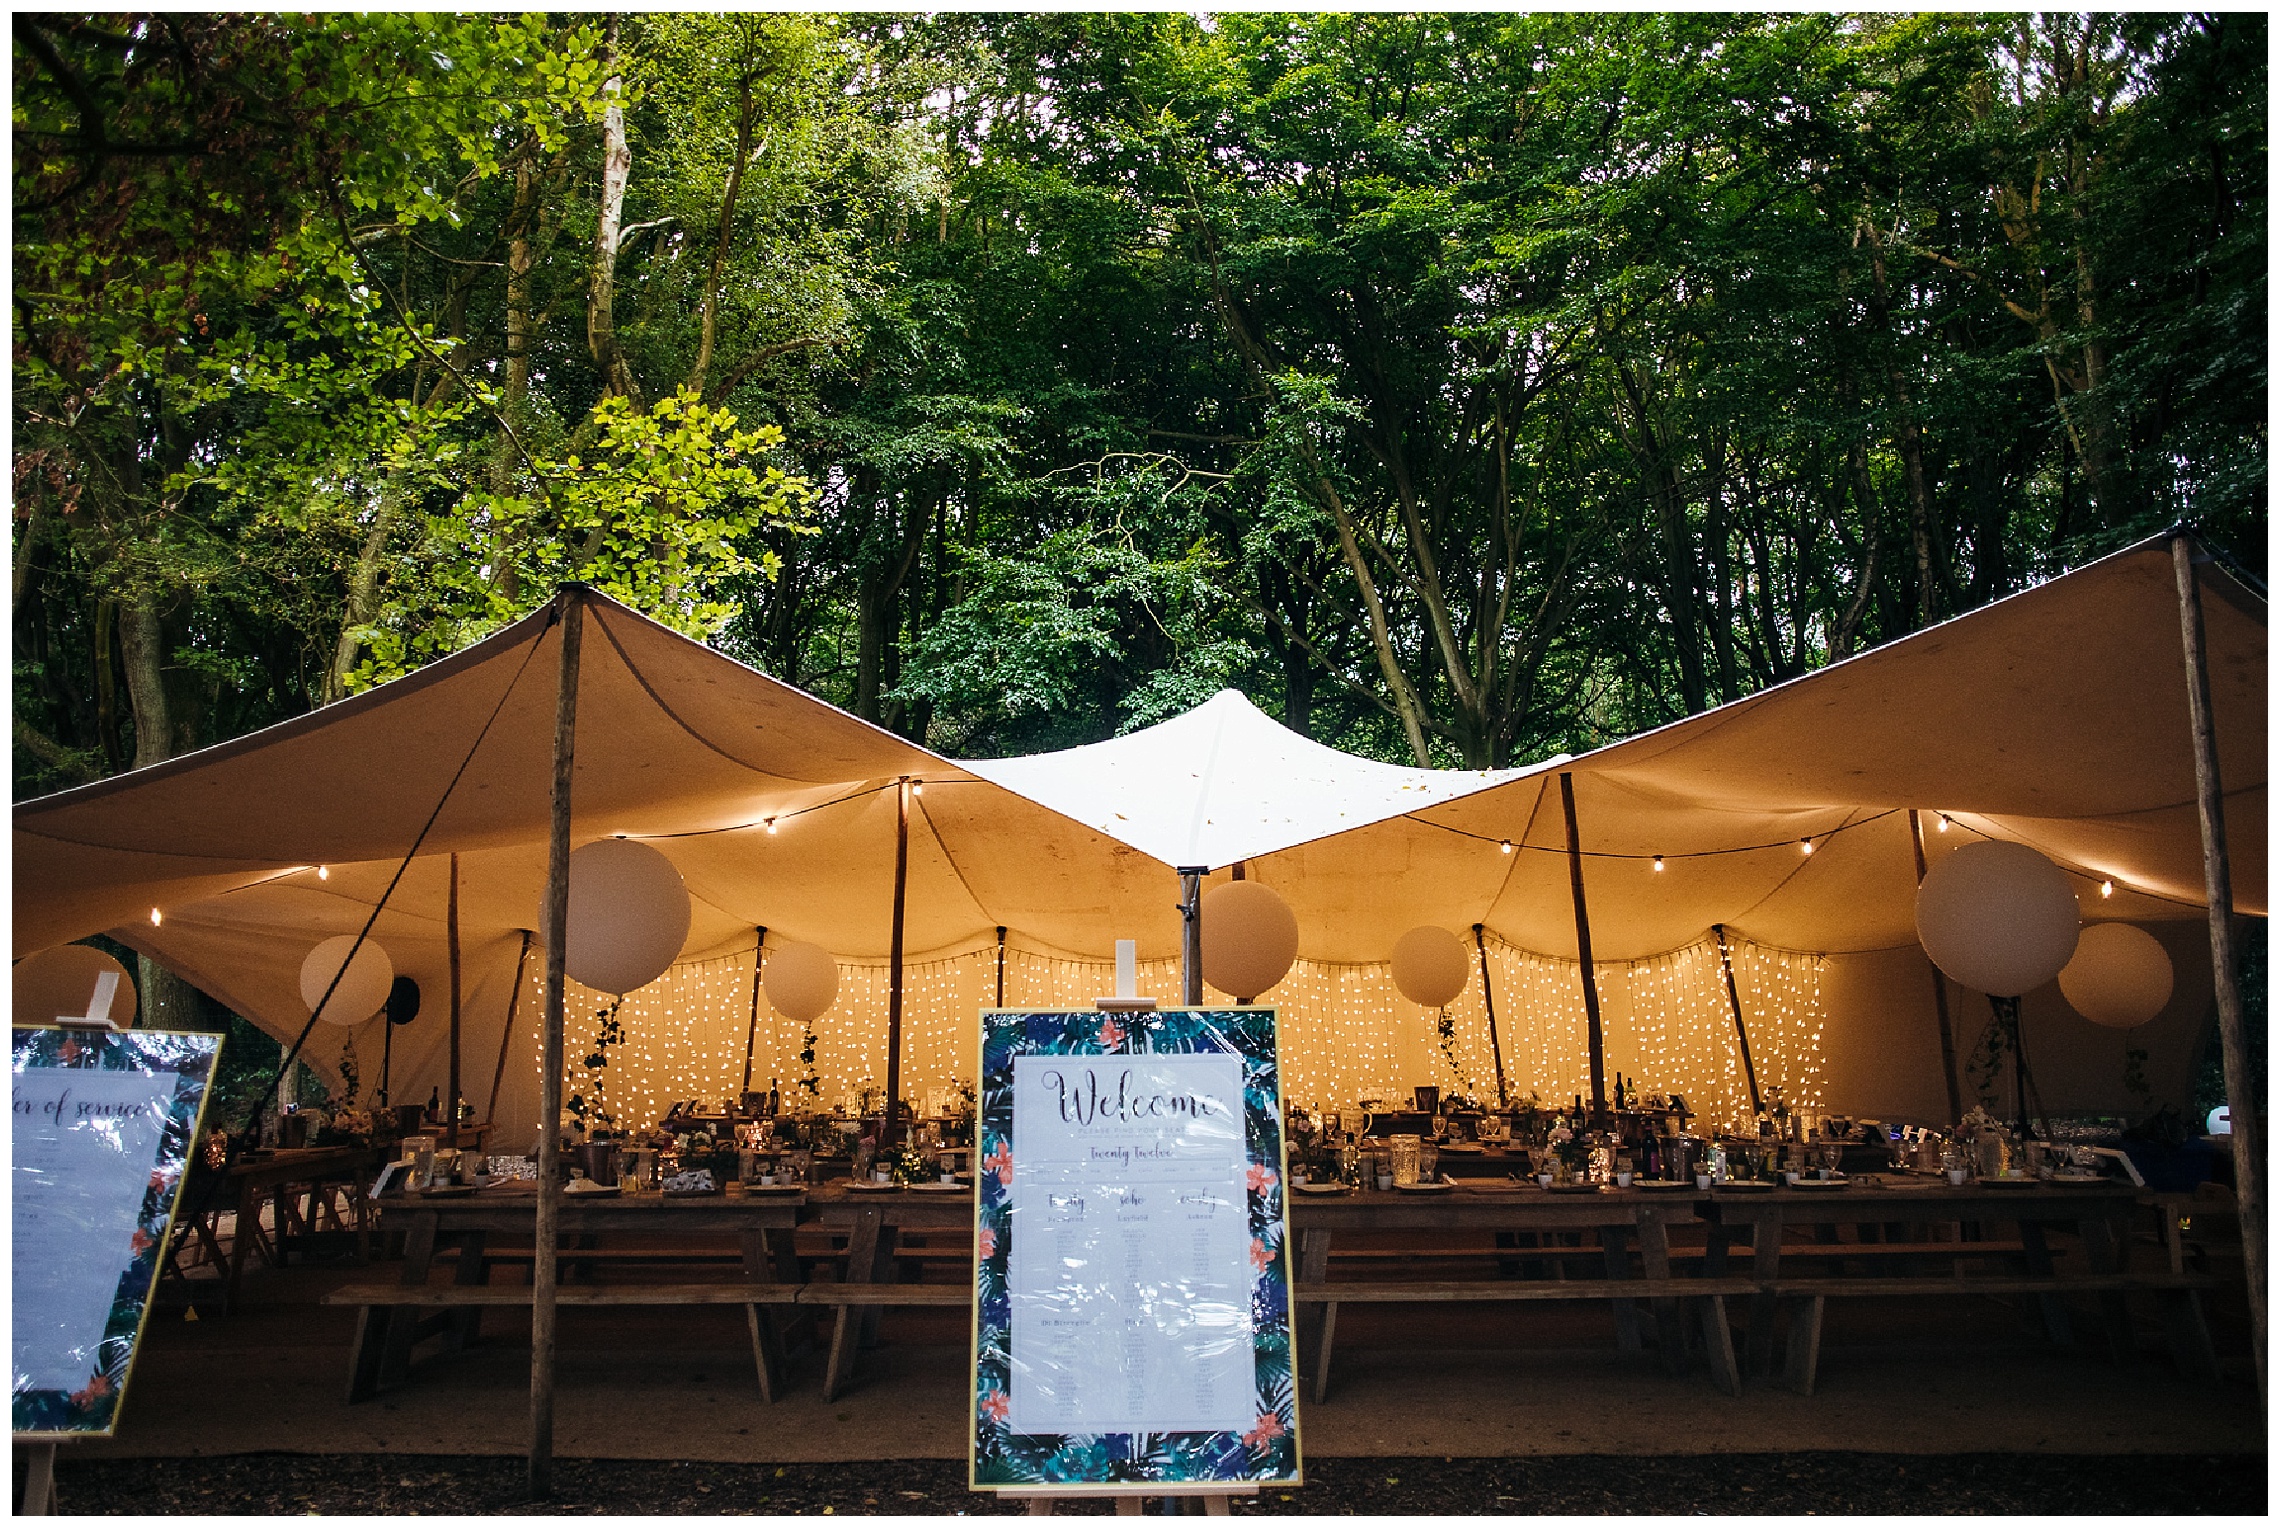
1347 1033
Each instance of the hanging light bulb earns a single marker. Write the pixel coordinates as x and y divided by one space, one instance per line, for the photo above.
1658 863
2105 888
1943 820
1506 846
155 917
324 872
918 788
771 824
1806 845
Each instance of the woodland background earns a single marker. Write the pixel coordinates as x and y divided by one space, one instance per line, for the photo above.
1463 388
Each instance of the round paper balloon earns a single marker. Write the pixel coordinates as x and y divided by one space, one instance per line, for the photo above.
801 980
2120 976
363 990
60 984
1998 917
1429 966
1250 937
629 915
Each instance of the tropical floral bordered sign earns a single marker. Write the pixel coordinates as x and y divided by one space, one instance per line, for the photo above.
104 1127
1132 1316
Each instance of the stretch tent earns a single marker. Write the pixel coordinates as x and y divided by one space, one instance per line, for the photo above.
2056 717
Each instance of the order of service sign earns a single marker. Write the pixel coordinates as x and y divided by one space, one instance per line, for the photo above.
104 1127
1132 1289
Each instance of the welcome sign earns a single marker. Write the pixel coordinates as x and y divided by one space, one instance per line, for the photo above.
1132 1291
104 1127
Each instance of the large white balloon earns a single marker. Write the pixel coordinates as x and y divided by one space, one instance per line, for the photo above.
1998 917
363 990
60 984
2120 976
1429 966
801 980
629 915
1250 937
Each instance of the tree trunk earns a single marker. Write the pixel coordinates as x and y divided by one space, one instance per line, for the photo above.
601 289
708 305
363 594
142 643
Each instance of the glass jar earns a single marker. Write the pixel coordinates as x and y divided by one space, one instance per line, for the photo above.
1404 1152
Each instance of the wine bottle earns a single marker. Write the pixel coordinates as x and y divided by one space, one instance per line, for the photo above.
435 1105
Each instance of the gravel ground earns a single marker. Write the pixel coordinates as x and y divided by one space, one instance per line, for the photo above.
1773 1484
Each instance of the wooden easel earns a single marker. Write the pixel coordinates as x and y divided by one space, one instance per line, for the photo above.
38 1499
1212 1498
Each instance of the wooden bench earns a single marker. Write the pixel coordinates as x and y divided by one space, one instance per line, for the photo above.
380 1303
1717 1334
2178 1294
852 1300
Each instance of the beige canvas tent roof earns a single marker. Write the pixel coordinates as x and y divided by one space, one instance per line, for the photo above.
2056 716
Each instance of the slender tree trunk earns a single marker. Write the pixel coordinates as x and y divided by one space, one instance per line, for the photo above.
363 593
708 305
601 289
142 643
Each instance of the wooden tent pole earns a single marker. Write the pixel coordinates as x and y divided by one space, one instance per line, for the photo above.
451 946
507 1032
1488 1001
1939 986
1734 1002
1001 966
1191 934
895 965
2216 863
752 1028
1583 953
573 610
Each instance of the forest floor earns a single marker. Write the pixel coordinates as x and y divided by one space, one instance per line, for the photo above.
1799 1484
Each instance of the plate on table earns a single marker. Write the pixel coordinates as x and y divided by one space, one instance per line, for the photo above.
1574 1188
772 1190
1660 1186
2074 1177
1465 1148
597 1192
1320 1188
2007 1180
940 1188
1821 1184
1422 1188
873 1188
1743 1188
451 1190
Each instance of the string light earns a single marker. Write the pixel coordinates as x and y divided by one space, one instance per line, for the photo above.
918 788
155 917
1658 864
1507 846
1806 844
324 872
1348 1036
2105 888
771 824
1943 820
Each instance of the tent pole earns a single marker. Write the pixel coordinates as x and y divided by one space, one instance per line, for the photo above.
2216 863
1001 966
1488 1001
506 1033
1583 954
752 1029
1191 934
451 945
895 964
1734 1002
1939 985
387 1056
542 1270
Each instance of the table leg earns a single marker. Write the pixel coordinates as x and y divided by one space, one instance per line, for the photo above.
866 1240
1615 1249
1803 1360
1314 1268
1765 1265
1718 1342
767 1346
403 1320
39 1481
2055 1323
2107 1243
1654 1255
467 1320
